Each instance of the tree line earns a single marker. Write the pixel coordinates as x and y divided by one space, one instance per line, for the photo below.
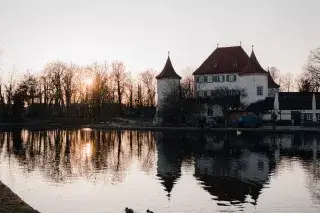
109 89
306 81
63 89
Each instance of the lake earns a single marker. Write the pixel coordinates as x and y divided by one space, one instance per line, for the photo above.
91 171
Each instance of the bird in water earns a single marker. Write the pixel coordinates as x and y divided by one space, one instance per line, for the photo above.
239 132
148 211
127 210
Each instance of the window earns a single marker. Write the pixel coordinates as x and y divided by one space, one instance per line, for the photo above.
201 79
260 165
309 116
205 79
318 116
235 64
231 78
215 78
209 78
198 79
215 65
205 93
223 78
259 90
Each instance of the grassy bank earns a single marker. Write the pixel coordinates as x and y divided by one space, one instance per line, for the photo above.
138 124
11 203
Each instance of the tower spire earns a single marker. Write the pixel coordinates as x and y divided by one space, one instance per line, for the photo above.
240 43
168 53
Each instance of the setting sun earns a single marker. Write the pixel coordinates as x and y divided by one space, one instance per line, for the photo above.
88 81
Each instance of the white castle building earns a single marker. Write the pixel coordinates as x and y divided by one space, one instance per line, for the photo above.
227 67
232 68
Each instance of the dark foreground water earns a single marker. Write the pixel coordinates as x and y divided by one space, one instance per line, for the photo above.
85 171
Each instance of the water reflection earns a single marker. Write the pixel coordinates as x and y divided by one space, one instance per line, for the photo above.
63 156
232 170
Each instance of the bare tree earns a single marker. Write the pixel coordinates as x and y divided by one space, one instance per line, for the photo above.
304 83
130 91
287 82
275 74
10 87
148 79
119 74
312 70
139 96
28 87
55 71
187 87
313 65
68 85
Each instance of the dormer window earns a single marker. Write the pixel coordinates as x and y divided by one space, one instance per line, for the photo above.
215 65
235 64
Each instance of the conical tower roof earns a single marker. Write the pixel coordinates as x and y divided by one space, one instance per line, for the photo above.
168 71
253 66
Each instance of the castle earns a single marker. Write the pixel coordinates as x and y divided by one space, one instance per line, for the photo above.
232 68
227 67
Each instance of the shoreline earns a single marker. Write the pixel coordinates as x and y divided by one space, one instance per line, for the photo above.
46 126
12 203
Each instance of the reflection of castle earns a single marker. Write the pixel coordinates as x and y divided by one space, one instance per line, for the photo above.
232 177
169 163
306 145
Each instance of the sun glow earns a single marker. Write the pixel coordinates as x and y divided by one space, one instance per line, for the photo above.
87 150
88 81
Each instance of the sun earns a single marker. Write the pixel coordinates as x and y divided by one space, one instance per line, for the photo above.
88 81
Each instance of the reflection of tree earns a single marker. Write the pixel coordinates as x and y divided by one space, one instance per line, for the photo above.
314 180
313 169
64 155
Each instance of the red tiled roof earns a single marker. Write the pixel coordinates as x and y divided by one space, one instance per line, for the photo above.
271 83
224 60
168 71
253 66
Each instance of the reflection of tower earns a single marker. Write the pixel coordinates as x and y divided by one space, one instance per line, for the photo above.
168 164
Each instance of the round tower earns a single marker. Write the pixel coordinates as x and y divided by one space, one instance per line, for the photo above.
168 81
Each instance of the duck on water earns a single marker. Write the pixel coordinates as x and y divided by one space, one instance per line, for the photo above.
127 210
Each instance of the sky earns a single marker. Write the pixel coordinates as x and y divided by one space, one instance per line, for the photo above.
141 32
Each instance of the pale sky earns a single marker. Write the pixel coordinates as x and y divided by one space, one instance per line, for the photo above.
141 32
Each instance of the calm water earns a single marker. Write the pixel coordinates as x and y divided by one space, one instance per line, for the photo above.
86 171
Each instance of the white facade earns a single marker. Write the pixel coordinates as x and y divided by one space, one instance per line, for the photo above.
255 85
252 84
